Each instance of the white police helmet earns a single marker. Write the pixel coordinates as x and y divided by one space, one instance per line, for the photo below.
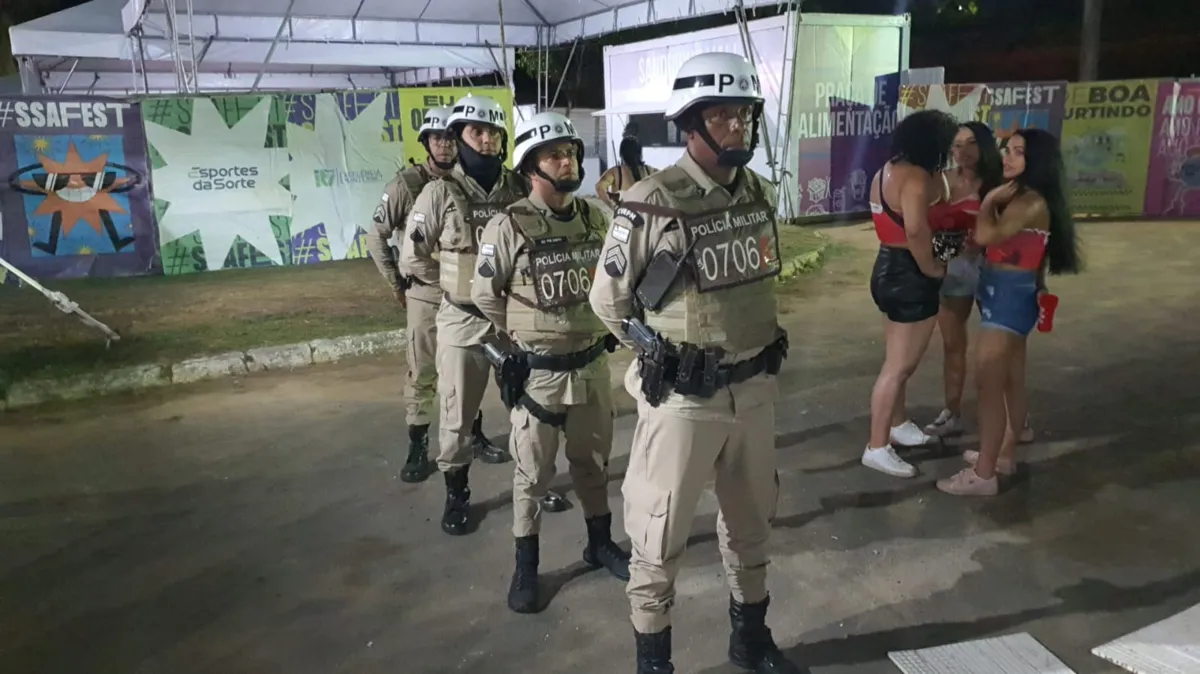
715 77
434 122
541 129
476 110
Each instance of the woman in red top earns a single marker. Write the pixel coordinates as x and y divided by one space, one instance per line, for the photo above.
1026 227
908 200
977 170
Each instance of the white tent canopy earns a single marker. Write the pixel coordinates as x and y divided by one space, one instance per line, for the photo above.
162 46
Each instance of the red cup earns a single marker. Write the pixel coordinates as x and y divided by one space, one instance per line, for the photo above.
1047 303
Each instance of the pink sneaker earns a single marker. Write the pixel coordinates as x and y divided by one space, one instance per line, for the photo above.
967 483
971 457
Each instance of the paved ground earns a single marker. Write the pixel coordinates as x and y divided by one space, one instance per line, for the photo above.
259 526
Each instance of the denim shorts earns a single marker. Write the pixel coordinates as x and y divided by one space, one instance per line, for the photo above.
1007 300
962 276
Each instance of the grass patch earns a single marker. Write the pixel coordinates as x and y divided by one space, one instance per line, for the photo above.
164 319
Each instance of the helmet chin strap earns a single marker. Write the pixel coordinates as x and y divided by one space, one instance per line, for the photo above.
443 165
567 186
730 157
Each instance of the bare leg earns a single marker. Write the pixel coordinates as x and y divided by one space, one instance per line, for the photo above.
905 344
995 353
952 320
1016 401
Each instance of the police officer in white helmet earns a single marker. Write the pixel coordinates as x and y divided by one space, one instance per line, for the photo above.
686 279
420 297
536 261
447 218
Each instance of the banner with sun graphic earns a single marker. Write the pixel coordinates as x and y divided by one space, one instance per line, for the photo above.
1173 179
74 188
221 193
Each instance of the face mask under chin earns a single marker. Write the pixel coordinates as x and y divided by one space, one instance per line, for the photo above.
734 158
567 186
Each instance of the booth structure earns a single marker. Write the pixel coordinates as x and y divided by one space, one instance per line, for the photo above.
831 83
131 47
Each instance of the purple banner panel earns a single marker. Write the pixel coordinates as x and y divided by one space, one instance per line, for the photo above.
75 188
861 140
1173 176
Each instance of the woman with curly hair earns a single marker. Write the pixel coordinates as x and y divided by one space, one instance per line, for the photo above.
909 201
977 170
1026 227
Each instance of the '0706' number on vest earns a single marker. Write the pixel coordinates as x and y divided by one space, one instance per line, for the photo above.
734 248
564 274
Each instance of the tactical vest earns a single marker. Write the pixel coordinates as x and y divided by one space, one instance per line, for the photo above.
557 260
725 295
459 243
415 178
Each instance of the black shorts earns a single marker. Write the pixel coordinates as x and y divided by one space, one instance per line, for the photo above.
899 288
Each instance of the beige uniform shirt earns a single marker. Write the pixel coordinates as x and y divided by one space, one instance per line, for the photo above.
389 217
632 241
502 250
434 215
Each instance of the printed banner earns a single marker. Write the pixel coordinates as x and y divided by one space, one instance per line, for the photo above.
861 142
960 100
1107 129
344 148
842 63
416 101
220 190
74 188
1009 106
1173 178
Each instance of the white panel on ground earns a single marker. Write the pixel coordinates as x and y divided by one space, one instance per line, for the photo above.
1011 654
1170 646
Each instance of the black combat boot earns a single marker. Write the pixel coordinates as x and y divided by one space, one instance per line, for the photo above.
654 652
417 468
523 590
458 502
750 644
485 451
601 551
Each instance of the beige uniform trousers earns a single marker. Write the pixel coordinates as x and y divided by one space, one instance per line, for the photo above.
462 379
420 386
671 460
588 436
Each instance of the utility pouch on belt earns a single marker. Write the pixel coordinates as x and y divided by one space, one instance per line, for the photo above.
653 363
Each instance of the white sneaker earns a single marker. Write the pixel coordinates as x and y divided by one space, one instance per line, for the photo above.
947 424
885 460
908 435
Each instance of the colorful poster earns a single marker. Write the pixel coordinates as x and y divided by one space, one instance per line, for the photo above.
1173 178
1009 106
960 100
74 188
343 149
1106 145
416 101
836 62
861 142
220 181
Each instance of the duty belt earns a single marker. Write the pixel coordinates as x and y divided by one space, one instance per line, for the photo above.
696 372
468 308
562 363
576 360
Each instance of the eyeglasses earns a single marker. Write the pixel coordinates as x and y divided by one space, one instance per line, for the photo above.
725 115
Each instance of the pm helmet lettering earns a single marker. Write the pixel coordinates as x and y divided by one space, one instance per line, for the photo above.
491 116
725 80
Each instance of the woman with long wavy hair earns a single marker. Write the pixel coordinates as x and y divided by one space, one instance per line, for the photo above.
977 170
908 203
1026 227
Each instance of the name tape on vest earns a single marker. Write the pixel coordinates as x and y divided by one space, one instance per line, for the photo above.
733 248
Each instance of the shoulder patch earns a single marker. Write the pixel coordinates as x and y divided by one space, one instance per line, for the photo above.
418 217
635 219
615 262
380 215
487 250
620 233
486 270
385 197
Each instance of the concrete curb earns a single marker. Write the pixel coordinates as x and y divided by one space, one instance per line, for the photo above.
266 358
191 370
